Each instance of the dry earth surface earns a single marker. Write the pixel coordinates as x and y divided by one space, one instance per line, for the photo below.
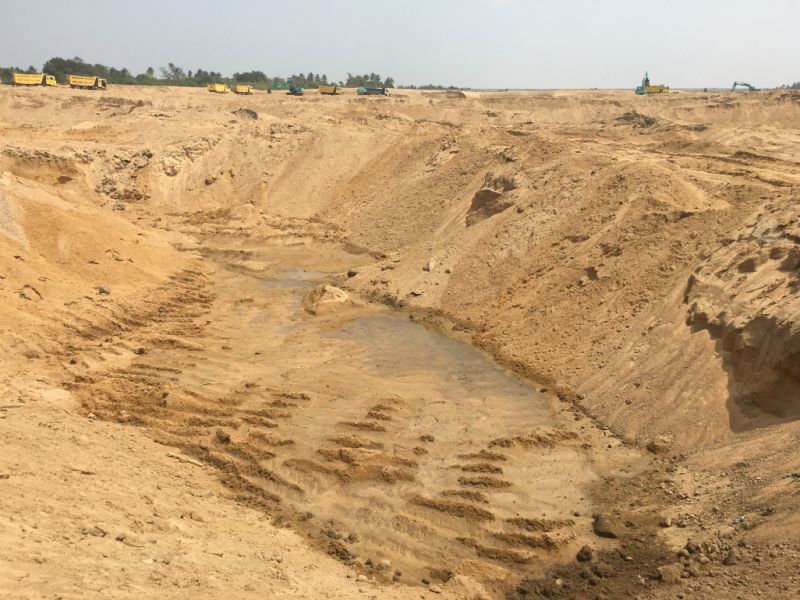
465 345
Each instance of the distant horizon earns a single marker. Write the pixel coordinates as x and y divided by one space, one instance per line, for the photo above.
478 44
404 85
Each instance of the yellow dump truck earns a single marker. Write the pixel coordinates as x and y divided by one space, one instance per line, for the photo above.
244 89
331 90
649 88
87 82
218 88
33 79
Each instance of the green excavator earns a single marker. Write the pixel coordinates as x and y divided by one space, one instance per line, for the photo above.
749 87
292 90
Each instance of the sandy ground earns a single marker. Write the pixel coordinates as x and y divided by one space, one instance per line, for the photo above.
238 339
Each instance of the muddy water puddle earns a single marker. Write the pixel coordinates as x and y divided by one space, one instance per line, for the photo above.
294 279
379 437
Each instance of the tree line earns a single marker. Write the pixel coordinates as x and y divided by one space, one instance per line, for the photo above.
172 74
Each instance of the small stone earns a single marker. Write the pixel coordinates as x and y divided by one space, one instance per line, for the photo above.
604 526
352 273
104 290
429 266
448 270
362 579
352 538
97 531
139 351
726 533
670 573
130 540
665 522
91 416
692 547
693 570
731 558
435 589
661 444
603 570
585 554
384 565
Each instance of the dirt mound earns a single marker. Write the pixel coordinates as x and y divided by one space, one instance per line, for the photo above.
636 120
246 113
450 94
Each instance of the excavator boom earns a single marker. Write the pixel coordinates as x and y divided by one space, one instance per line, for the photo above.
750 88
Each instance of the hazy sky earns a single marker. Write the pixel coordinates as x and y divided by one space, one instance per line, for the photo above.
476 43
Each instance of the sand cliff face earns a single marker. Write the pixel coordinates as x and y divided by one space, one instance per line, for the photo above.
746 296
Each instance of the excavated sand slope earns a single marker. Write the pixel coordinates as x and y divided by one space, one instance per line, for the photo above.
637 258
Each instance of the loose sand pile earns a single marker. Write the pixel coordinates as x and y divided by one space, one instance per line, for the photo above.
638 258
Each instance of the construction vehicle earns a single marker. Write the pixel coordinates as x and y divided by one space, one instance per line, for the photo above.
749 87
331 90
87 82
218 88
293 90
33 79
372 91
647 88
243 89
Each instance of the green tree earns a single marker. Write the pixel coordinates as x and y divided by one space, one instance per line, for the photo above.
172 72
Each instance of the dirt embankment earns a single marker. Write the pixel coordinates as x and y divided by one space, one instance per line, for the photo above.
638 254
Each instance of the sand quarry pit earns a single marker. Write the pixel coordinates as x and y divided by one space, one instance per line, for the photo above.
488 345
